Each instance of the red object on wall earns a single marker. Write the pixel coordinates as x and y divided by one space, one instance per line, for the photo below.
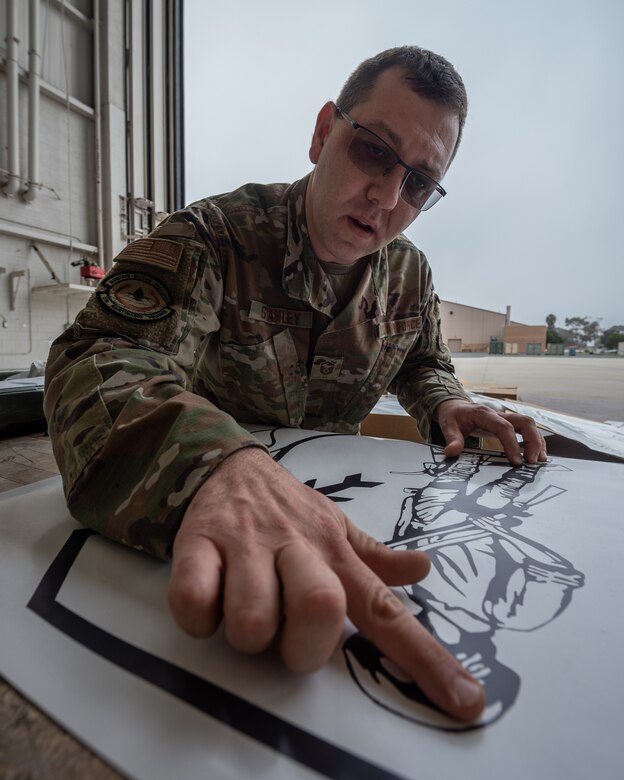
92 272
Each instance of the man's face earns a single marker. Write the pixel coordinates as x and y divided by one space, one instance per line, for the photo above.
349 214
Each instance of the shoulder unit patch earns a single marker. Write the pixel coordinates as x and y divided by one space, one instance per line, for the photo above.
135 296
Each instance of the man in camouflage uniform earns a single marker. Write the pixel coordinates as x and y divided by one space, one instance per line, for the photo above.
288 305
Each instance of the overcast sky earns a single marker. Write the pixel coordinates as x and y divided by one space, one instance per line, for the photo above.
536 202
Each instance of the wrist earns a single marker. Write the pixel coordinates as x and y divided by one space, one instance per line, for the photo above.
444 407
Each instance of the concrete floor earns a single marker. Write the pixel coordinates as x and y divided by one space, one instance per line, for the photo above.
589 386
24 460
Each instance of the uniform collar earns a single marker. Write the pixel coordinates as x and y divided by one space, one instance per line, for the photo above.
303 276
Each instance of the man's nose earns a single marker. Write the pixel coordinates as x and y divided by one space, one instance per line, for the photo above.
385 191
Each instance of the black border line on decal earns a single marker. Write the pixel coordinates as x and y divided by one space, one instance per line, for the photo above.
249 719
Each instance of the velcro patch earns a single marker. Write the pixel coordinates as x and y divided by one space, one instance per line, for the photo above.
159 252
296 319
399 327
174 228
135 297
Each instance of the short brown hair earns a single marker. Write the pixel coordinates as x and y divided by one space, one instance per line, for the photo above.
430 75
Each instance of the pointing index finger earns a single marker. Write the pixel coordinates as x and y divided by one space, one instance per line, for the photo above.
383 619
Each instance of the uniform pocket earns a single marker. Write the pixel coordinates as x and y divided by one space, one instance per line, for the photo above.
262 382
389 360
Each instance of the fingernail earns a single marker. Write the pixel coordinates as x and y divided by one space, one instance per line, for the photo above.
467 692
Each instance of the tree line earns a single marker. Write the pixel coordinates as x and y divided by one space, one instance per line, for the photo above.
581 332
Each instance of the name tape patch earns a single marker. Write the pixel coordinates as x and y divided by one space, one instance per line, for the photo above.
398 327
135 296
296 319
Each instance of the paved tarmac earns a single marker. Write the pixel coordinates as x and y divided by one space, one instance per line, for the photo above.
590 386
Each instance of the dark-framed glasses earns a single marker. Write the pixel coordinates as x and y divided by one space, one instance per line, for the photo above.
372 155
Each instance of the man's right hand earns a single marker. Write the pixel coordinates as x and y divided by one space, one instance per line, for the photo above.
271 556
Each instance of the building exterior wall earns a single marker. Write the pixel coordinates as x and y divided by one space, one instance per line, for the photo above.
102 180
525 339
469 329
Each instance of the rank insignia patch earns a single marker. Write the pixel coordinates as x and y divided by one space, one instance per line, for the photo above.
135 297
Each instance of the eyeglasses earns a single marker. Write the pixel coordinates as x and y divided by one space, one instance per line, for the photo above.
372 155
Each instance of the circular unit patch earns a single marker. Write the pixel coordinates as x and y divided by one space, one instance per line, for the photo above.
135 296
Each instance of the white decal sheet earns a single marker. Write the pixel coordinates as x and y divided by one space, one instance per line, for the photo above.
601 437
525 589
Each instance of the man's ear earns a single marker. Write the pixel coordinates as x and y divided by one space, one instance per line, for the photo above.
324 123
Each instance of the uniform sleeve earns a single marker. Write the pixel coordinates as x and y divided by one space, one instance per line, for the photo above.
132 440
427 376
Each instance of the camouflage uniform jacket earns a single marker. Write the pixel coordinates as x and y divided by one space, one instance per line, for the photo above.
206 324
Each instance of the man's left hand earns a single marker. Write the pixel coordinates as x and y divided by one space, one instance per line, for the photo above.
458 419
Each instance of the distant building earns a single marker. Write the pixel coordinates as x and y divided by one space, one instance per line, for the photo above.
469 329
